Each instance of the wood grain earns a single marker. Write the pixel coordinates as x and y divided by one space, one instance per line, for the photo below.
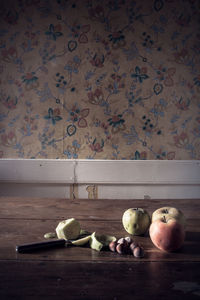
78 280
92 209
28 231
83 273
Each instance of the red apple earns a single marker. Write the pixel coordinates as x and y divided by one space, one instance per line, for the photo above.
167 234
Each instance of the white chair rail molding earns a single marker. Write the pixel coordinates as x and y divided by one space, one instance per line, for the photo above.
102 179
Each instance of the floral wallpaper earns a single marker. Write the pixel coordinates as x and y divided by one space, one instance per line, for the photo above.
96 79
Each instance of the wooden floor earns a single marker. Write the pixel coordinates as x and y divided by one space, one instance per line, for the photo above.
83 273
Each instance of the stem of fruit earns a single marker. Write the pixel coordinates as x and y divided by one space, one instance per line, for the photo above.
164 219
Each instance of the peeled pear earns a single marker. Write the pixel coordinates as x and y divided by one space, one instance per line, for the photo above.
68 229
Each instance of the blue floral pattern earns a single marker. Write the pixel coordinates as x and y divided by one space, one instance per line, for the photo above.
115 79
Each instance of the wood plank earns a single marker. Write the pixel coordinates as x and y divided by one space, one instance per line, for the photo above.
83 273
42 171
137 172
90 209
43 190
100 171
17 232
136 191
60 280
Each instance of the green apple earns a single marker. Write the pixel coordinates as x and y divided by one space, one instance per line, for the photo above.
136 221
167 213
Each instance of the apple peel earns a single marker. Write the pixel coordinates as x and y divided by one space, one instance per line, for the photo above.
97 242
82 241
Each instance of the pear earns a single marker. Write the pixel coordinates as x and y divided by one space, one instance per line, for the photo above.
136 221
68 229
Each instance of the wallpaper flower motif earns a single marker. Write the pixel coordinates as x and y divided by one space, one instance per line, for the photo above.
115 79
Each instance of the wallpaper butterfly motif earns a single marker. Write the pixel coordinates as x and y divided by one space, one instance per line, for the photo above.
110 79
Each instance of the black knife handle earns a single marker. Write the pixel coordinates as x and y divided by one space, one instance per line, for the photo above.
41 245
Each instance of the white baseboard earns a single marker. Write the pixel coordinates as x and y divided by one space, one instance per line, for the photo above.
108 179
35 190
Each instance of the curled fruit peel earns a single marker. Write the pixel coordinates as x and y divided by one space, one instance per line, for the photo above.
97 242
50 235
82 241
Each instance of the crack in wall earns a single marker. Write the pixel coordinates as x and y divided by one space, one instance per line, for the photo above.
92 190
74 185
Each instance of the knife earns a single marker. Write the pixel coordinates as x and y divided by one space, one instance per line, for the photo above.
42 245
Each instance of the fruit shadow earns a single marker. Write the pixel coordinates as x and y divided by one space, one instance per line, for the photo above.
192 236
192 243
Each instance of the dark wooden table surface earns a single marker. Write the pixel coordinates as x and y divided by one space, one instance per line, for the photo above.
83 273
